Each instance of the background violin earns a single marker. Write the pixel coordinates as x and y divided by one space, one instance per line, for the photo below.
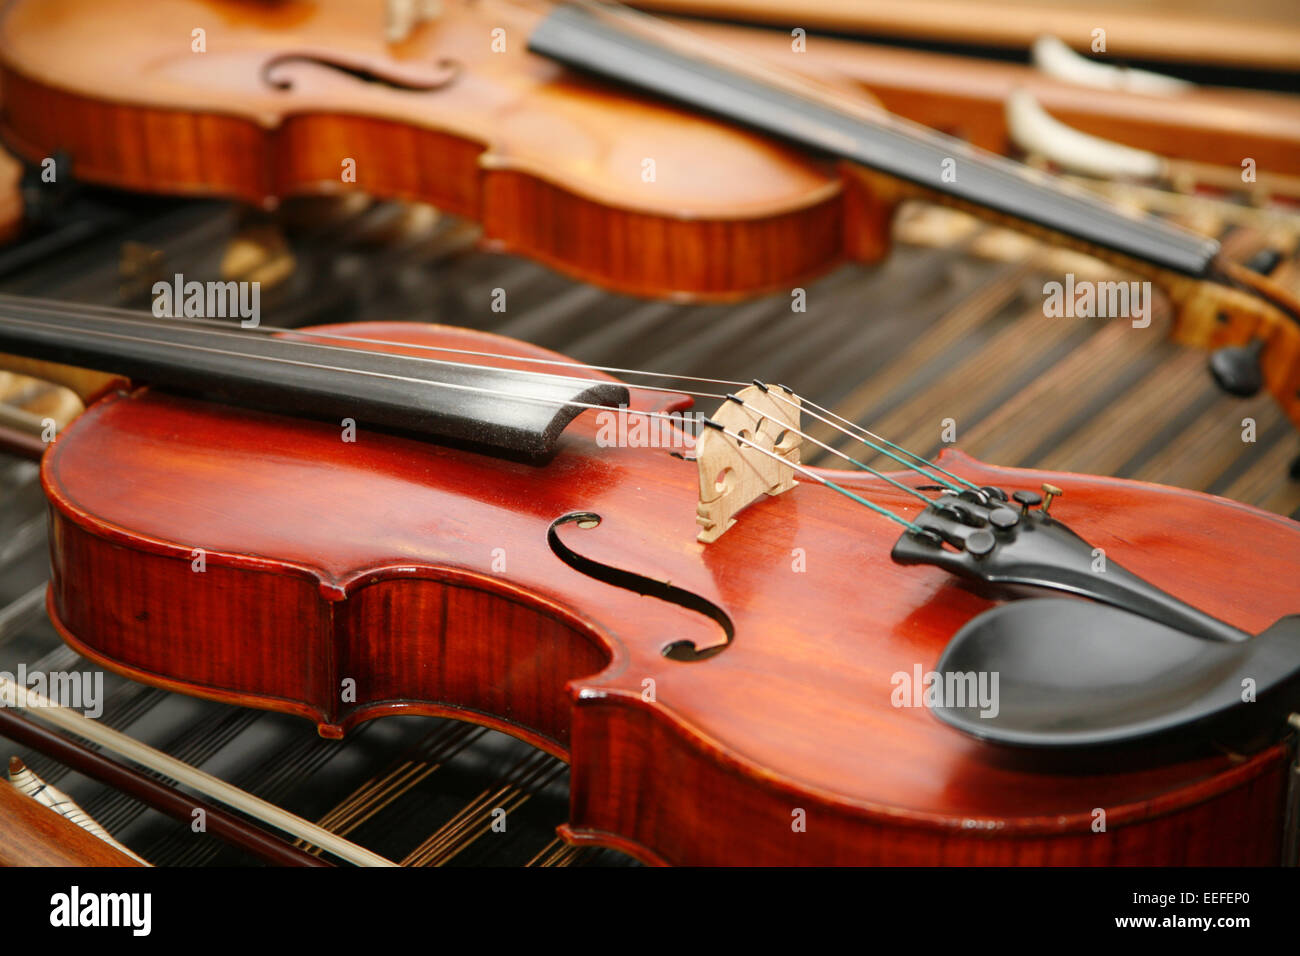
286 95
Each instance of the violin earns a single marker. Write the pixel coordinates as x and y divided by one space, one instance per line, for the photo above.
743 659
580 135
297 97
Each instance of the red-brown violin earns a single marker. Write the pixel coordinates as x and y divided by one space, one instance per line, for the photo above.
744 660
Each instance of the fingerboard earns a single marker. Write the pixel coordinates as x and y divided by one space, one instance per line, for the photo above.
504 409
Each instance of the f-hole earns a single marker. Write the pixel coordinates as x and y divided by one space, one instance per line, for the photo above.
682 650
445 72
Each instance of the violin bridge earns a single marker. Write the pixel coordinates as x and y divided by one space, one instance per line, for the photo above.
734 475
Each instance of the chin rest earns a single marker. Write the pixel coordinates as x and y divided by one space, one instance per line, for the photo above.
1077 674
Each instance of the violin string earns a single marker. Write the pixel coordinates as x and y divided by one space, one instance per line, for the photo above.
919 464
478 389
676 421
879 509
223 328
919 459
916 462
786 426
268 332
763 416
280 360
497 393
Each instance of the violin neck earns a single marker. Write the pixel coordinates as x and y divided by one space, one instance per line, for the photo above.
521 413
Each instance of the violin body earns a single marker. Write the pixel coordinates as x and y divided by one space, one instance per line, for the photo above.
290 98
266 561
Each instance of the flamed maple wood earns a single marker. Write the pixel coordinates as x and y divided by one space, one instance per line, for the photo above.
425 575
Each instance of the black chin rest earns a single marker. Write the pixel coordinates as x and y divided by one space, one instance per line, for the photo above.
1078 674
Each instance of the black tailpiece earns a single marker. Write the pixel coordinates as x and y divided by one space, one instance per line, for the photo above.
982 535
1076 674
